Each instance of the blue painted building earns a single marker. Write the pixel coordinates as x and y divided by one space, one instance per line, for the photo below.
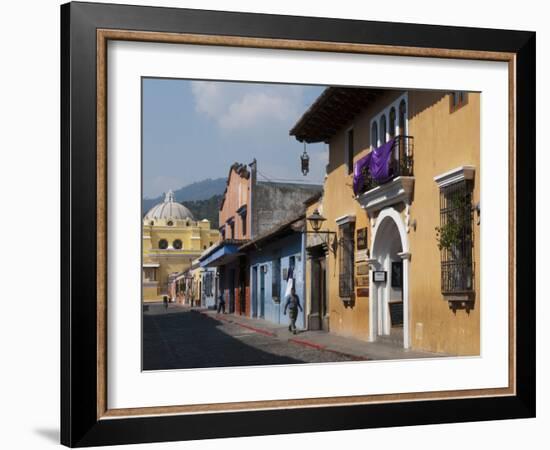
249 210
230 264
273 258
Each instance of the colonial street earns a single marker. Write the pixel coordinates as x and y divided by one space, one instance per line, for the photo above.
182 338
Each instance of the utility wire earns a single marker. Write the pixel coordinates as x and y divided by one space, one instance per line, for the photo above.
272 179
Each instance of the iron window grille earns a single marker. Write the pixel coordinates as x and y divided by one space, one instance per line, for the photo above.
455 236
346 246
208 283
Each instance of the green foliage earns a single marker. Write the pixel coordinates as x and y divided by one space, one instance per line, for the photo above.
206 209
449 235
200 190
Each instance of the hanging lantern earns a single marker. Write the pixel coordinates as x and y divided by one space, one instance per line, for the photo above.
316 220
305 161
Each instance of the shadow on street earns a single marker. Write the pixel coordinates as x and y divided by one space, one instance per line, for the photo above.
188 339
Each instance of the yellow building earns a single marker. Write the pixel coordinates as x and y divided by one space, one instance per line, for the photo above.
172 238
405 267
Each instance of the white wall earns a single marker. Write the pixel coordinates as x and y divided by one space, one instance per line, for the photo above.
29 111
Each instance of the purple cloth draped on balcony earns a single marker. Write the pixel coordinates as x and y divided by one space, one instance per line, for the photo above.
377 163
360 168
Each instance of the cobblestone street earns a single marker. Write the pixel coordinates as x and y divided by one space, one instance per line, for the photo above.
183 338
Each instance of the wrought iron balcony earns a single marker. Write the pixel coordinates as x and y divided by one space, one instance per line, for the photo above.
393 167
401 162
457 277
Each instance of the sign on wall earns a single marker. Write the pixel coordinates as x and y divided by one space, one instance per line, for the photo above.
397 274
396 313
363 292
361 255
362 281
379 276
362 269
362 241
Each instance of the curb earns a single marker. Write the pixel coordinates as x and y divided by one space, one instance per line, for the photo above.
242 325
296 341
307 344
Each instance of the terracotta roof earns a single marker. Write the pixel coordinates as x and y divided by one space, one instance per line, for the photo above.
334 109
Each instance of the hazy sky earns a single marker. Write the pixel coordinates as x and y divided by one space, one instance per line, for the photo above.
194 130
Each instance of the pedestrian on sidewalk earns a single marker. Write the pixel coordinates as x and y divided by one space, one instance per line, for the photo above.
293 304
165 301
221 304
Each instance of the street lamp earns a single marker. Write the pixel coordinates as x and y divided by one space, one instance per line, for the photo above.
316 221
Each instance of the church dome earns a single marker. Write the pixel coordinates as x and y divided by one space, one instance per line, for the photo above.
169 209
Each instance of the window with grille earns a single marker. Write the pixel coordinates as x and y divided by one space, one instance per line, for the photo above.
346 246
208 283
455 238
149 274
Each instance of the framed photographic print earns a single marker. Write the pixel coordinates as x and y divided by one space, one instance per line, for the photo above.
230 184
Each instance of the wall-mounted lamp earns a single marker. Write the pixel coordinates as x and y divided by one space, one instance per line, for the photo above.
316 221
477 209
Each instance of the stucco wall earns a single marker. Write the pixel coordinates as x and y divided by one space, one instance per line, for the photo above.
278 202
442 141
237 195
284 249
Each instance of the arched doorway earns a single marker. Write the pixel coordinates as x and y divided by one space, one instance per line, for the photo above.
389 306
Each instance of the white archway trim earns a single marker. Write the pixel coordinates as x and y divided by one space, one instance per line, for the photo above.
396 217
405 255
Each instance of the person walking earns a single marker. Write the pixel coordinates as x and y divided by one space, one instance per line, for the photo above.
165 301
221 304
293 304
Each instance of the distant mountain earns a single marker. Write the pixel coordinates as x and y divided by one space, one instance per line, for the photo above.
200 190
206 209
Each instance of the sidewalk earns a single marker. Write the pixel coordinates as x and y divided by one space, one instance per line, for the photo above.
357 349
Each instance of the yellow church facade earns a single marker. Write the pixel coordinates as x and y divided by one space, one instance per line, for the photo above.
172 239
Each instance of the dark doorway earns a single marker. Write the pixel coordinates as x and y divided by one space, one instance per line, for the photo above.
232 291
255 291
242 290
318 318
262 291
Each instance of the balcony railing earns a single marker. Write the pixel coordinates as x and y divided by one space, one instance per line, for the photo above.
401 162
456 277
